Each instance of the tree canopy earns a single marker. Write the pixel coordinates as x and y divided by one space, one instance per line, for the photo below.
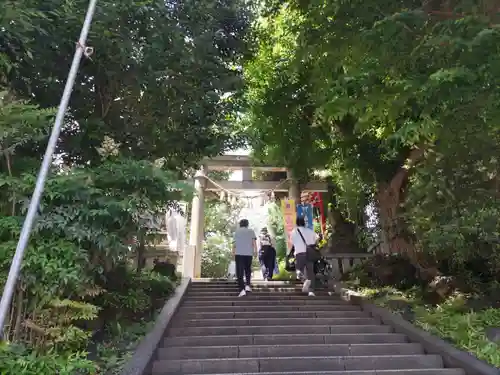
397 100
163 80
160 92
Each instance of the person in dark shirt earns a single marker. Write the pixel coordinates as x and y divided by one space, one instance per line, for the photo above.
267 254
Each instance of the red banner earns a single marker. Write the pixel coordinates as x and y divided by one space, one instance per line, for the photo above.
316 200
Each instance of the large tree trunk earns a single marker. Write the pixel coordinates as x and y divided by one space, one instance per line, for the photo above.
394 238
343 238
395 235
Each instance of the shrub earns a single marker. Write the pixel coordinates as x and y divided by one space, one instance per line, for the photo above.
381 270
216 257
16 359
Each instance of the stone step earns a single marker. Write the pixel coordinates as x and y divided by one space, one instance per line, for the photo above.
257 293
283 351
278 330
246 301
258 308
233 288
262 297
265 322
176 331
430 371
280 339
254 282
255 288
274 314
297 364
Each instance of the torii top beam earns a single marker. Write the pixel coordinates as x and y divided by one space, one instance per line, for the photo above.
237 162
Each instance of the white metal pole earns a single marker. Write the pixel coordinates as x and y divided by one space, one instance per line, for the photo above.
15 267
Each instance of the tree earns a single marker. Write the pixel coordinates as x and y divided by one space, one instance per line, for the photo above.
389 84
159 93
163 81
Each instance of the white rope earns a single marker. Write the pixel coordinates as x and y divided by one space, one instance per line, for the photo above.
236 192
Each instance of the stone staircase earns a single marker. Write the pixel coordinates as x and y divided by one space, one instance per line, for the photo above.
277 330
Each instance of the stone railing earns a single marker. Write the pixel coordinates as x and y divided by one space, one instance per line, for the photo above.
342 263
375 248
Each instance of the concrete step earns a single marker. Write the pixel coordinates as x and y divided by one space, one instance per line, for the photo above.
283 351
176 331
258 308
278 339
283 339
254 282
277 330
297 364
274 314
248 301
430 371
262 297
284 289
224 288
258 293
265 322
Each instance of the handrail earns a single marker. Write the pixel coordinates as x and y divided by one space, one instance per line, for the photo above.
349 255
343 263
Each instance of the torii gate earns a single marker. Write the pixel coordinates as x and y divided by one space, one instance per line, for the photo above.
192 256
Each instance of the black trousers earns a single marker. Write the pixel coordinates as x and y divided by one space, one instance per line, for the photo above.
243 269
307 268
268 260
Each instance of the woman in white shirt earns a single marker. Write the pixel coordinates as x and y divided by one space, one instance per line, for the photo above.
300 237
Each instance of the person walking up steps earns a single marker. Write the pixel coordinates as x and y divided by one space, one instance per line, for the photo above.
244 247
267 254
301 237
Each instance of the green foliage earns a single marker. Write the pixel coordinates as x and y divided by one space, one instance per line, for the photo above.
465 329
220 223
18 360
452 206
159 93
113 353
452 320
384 270
132 295
163 81
217 254
395 99
283 274
221 217
142 296
278 228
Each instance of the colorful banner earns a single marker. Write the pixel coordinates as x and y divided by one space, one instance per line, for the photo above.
315 199
306 211
317 202
289 216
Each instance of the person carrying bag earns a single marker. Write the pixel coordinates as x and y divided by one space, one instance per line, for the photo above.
306 253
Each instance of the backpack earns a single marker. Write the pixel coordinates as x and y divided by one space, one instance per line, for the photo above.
290 261
265 240
312 251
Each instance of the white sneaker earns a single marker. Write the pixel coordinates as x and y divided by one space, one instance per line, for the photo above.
247 288
311 294
305 287
242 294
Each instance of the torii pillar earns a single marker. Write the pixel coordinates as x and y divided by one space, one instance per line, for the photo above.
294 189
192 262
